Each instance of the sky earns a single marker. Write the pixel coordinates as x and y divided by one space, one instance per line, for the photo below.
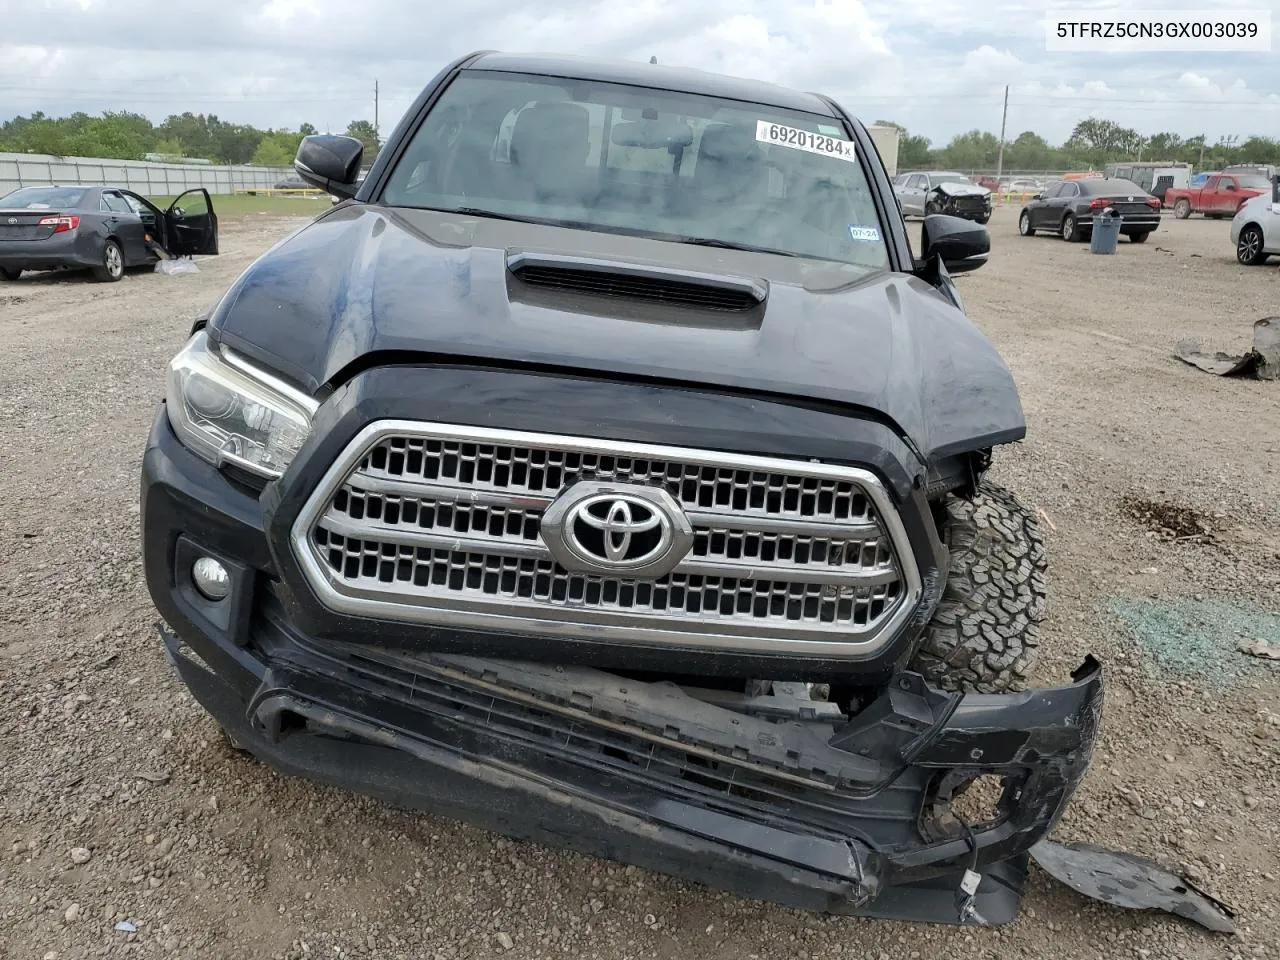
939 67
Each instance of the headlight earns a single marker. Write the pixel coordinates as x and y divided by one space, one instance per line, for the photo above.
227 411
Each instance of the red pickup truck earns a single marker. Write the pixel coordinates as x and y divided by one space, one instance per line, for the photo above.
1221 196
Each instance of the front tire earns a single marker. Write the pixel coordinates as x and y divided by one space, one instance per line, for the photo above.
985 632
1139 237
8 273
1182 209
1249 248
1070 230
1024 225
112 267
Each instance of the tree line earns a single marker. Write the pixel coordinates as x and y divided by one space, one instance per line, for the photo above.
129 136
1092 145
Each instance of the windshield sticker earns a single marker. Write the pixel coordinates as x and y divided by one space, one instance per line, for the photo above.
829 130
776 133
863 234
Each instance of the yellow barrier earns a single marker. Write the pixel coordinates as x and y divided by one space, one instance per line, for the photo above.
280 192
999 199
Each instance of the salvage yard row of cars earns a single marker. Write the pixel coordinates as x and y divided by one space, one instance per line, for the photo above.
1067 207
103 229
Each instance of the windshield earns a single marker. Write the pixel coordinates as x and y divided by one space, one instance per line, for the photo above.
1254 182
651 163
42 198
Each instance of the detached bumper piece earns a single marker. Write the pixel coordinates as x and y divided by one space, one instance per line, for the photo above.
814 811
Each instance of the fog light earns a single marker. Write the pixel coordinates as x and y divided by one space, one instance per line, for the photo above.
211 579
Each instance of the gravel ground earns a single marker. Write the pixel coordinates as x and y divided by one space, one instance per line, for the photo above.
1160 484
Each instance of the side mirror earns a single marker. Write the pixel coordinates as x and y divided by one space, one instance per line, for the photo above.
1037 196
1229 186
330 162
960 244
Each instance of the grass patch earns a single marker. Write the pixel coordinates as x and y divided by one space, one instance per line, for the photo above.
243 205
1191 638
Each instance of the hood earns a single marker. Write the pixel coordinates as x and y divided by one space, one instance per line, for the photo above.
421 286
962 189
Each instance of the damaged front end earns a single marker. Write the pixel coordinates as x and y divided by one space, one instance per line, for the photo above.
961 200
768 794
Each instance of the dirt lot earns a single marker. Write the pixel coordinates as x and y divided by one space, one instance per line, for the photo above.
1161 483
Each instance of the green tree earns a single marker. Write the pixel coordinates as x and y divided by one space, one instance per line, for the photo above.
363 131
167 147
276 149
1029 151
1162 146
975 150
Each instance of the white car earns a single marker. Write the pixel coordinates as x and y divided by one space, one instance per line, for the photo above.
1255 230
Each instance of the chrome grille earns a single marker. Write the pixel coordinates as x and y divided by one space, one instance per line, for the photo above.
440 524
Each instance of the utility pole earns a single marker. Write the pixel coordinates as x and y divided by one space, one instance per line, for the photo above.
375 113
1003 117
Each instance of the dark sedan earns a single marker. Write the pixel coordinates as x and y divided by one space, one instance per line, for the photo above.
103 229
1067 208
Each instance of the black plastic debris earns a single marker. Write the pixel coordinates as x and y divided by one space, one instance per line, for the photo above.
1262 362
1126 880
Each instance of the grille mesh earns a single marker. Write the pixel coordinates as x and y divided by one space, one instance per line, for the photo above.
451 524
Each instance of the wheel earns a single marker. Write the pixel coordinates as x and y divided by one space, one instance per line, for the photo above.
1182 209
984 219
1070 232
112 268
1140 237
9 273
1249 248
931 208
985 632
1024 225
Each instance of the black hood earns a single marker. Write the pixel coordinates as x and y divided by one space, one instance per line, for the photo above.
414 285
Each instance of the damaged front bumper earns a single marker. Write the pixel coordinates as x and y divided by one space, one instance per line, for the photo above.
770 797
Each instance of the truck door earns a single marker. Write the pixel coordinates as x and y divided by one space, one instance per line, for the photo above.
1208 196
1228 195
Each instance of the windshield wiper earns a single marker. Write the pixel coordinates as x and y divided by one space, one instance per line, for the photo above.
610 228
726 245
494 215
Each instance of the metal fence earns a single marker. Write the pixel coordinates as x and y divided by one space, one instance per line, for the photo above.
149 179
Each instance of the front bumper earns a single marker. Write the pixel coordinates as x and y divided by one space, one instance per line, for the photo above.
557 760
812 810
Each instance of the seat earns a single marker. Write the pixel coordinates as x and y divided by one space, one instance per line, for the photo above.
730 166
549 147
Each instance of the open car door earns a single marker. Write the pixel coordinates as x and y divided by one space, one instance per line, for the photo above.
192 224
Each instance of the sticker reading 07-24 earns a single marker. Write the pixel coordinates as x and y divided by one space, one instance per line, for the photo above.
796 139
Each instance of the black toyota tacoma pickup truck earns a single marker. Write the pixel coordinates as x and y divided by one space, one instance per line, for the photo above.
607 471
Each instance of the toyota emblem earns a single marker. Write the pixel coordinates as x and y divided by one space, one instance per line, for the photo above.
611 528
13 219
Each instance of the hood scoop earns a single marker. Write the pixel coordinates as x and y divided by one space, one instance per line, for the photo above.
637 282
